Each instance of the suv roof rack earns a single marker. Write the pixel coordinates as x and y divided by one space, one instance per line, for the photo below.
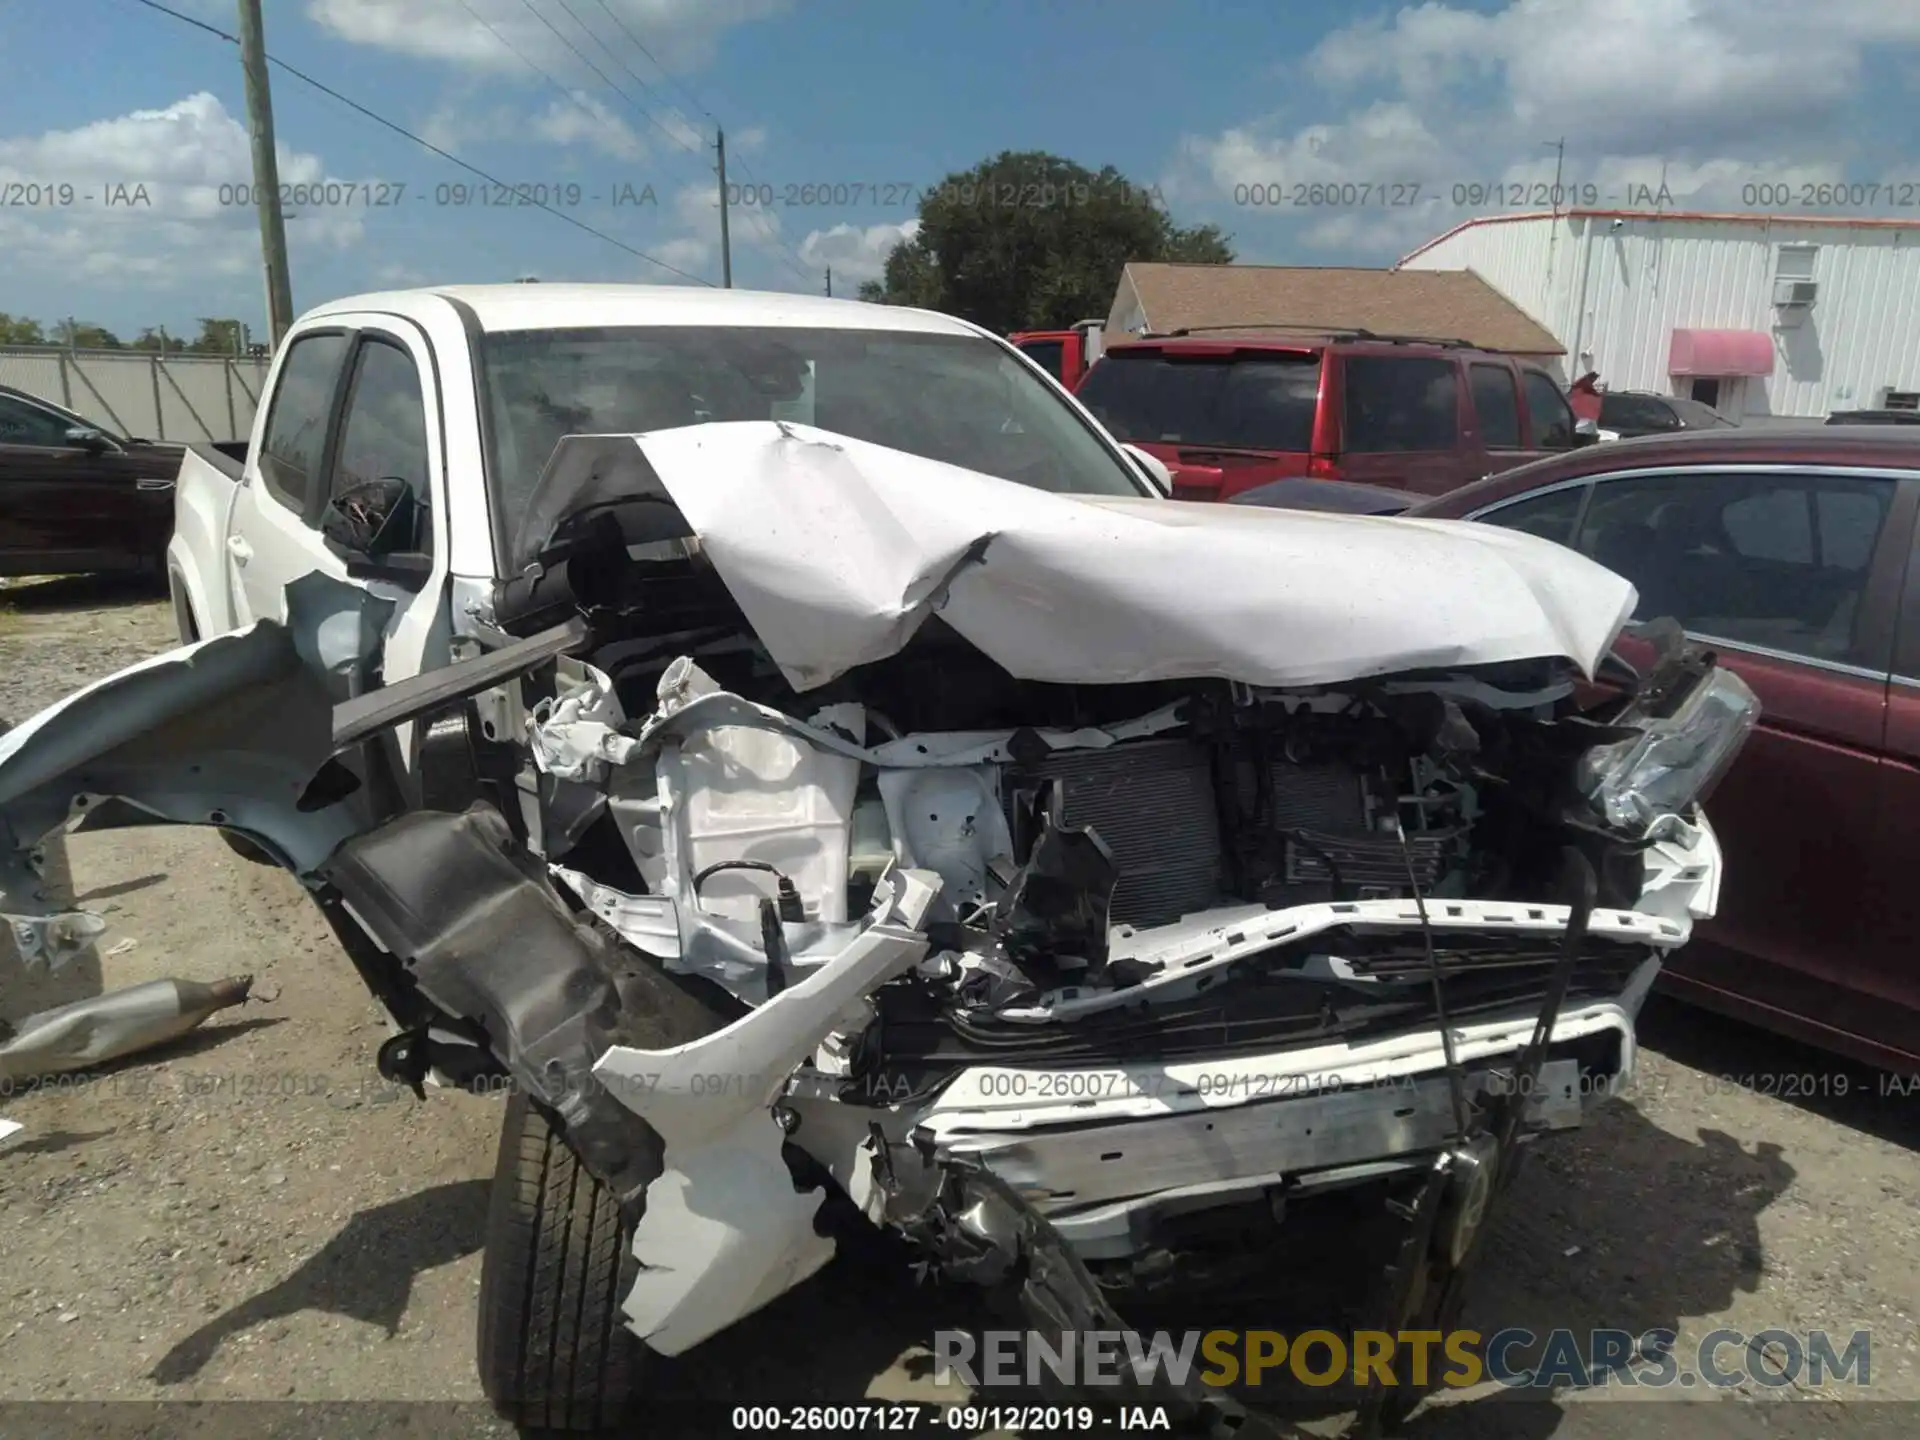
1352 332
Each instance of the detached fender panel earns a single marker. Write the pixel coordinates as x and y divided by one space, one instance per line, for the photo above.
230 731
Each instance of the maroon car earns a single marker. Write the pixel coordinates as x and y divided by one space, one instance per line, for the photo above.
75 499
1228 410
1788 551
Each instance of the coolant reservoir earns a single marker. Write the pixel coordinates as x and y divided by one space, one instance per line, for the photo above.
759 795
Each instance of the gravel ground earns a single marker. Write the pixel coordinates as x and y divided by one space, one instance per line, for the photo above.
253 1215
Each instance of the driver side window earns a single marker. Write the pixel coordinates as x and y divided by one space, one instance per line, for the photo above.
22 424
384 432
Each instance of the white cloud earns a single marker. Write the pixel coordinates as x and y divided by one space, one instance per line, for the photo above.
852 252
160 195
686 252
586 121
1701 96
1623 74
681 35
455 127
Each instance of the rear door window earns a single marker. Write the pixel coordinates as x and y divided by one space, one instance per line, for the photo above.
1398 403
1496 405
1778 560
1262 400
296 437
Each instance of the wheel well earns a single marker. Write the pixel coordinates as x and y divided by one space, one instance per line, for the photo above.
183 617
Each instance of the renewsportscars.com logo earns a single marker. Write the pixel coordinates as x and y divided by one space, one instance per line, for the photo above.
1458 1359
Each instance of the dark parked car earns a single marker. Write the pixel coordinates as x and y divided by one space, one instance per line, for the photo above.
78 499
1874 417
1630 413
1226 411
1788 551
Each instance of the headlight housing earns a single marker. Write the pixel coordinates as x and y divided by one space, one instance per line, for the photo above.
1675 759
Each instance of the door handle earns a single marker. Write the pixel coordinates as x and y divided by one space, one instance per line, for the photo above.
153 484
237 547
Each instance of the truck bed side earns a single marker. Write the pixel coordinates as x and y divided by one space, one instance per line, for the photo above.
203 499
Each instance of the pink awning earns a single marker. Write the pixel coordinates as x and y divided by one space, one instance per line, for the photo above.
1720 352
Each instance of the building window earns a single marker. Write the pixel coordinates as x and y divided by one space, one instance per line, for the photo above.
1902 400
1795 262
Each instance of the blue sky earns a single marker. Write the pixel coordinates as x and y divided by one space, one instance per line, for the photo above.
1220 105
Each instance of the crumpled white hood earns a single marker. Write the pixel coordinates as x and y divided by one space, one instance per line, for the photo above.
837 551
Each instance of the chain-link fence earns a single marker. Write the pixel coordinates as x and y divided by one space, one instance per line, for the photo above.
142 393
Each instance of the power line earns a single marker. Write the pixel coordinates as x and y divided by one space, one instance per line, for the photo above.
517 53
613 56
582 55
567 91
790 258
398 129
665 73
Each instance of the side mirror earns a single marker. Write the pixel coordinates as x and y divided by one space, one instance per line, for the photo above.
87 438
374 526
1155 468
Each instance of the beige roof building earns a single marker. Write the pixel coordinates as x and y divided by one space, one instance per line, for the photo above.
1450 304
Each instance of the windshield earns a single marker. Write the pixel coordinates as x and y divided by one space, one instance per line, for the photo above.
1249 402
961 399
1638 412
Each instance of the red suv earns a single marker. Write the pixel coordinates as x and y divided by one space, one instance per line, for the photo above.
1227 410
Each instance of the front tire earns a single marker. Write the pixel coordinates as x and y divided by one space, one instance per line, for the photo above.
554 1351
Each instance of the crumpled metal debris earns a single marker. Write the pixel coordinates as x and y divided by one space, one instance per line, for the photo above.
106 1027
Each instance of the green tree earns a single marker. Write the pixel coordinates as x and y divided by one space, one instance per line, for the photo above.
1031 241
88 336
19 330
217 337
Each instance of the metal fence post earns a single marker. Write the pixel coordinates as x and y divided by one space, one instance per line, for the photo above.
66 385
233 423
159 419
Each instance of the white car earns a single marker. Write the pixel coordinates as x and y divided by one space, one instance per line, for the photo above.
791 741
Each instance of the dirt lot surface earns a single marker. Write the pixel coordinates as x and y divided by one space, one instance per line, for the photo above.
253 1215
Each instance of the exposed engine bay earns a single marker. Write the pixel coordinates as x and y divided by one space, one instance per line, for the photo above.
770 868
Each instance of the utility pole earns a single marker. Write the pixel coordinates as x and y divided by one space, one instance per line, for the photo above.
266 172
726 245
829 282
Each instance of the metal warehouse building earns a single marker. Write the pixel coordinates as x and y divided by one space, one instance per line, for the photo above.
1766 317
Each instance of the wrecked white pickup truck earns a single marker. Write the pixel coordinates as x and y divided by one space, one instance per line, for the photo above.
797 746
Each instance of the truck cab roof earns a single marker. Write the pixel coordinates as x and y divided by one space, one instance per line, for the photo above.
510 307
